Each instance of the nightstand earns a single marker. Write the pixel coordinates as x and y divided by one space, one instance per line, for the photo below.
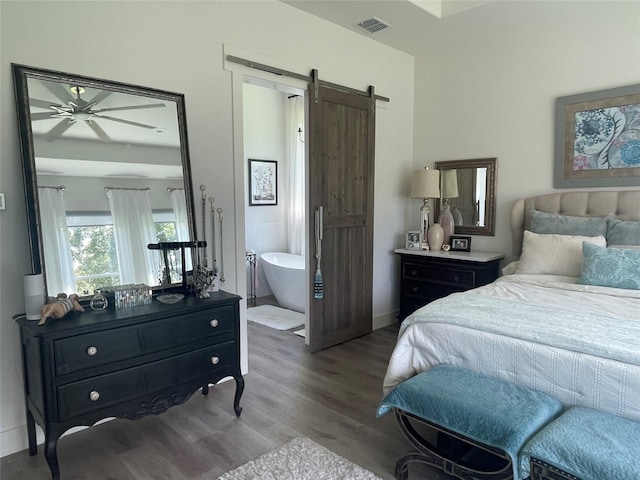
426 275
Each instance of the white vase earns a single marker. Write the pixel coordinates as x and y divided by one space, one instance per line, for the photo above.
447 222
435 237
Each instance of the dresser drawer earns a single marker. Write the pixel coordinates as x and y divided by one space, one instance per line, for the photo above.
99 348
444 275
426 291
82 397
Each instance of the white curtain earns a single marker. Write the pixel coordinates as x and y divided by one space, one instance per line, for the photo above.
58 262
133 229
296 161
179 203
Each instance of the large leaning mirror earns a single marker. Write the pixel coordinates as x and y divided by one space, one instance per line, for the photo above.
106 173
469 187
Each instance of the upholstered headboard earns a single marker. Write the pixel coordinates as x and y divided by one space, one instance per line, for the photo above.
620 204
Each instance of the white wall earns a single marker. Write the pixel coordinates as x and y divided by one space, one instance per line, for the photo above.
178 46
264 139
488 80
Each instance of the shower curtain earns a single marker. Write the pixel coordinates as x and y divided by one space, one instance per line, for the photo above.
296 161
134 229
58 262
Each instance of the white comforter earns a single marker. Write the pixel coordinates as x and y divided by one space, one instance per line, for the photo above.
578 343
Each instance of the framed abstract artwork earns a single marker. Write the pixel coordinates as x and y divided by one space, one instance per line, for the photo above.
598 139
263 182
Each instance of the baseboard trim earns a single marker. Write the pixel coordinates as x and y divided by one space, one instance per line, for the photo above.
385 320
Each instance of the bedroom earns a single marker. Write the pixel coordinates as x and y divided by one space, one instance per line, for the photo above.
507 60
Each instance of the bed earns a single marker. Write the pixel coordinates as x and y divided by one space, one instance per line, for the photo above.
536 326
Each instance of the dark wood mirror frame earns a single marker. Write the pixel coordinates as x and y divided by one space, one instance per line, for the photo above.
490 164
21 74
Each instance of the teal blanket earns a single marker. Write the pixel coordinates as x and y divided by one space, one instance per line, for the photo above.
488 410
589 444
567 328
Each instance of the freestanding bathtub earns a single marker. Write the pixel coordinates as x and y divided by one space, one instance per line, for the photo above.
287 278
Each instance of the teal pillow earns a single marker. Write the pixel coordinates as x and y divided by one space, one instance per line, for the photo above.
620 232
542 222
610 267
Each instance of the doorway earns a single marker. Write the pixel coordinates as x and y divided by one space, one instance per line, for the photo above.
275 183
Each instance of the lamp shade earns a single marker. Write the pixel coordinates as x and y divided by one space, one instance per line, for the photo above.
449 184
425 184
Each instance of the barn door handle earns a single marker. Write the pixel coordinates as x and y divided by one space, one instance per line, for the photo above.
318 284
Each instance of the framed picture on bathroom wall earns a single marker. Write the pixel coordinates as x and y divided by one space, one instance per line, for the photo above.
263 182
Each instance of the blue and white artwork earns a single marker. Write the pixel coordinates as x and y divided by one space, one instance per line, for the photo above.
607 138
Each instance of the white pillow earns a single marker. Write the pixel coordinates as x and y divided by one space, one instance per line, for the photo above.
552 254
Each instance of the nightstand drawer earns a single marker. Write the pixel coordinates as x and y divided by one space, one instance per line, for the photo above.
426 291
439 274
79 398
98 348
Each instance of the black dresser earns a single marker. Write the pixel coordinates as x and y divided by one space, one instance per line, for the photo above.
427 275
126 363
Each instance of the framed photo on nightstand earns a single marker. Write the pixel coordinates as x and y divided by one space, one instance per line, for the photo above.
412 240
460 243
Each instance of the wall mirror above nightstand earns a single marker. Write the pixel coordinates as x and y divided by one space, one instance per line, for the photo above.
474 203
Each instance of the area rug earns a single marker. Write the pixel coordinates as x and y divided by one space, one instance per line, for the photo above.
301 333
275 317
300 459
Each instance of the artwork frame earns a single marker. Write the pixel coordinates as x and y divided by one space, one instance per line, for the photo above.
412 240
460 243
597 135
263 182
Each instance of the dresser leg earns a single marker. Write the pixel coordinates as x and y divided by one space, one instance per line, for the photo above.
51 453
239 389
205 390
31 434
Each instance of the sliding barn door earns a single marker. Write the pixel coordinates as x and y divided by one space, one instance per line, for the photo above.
341 179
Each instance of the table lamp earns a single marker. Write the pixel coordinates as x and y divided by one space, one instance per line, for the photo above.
425 184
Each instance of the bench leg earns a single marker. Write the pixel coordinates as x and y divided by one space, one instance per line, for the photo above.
452 459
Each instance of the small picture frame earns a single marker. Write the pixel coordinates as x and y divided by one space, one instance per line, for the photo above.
460 243
412 240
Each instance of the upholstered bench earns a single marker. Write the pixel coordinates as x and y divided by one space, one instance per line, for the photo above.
476 424
585 444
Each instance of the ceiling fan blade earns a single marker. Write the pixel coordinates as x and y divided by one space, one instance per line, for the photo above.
102 135
132 107
58 130
36 102
100 96
128 122
41 116
60 92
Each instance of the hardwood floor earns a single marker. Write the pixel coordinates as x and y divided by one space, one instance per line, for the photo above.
330 396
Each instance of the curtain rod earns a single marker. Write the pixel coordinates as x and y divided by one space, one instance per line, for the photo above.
173 189
145 189
306 78
60 187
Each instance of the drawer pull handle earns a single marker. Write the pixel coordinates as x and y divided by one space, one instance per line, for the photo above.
215 360
415 289
457 278
91 351
94 396
414 273
214 323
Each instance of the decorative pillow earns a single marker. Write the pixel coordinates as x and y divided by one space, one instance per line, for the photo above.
554 254
567 225
621 233
610 267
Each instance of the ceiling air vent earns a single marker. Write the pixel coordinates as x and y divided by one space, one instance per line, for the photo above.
373 25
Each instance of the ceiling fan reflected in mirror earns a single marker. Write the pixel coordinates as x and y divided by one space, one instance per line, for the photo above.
74 109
